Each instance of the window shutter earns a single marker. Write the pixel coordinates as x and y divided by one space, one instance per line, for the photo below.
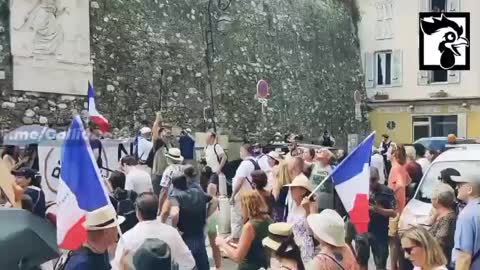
453 5
379 30
424 5
380 13
422 77
397 68
388 10
453 76
369 70
388 28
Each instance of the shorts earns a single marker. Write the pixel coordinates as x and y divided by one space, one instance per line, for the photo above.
236 220
212 223
393 226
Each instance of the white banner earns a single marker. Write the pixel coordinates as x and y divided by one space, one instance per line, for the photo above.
49 157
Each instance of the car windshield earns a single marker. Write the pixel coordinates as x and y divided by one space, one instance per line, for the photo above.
431 178
438 144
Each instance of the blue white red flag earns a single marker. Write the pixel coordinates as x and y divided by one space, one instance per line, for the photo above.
95 116
352 182
81 188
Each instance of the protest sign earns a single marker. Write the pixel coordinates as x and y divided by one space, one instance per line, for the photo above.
50 167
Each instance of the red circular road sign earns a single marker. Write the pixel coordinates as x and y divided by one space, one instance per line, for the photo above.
263 89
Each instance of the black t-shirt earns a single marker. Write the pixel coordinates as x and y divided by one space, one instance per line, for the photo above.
193 210
85 259
384 198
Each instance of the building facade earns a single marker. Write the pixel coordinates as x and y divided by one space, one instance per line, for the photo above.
405 102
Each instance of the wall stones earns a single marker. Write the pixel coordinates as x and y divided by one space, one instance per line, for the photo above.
150 56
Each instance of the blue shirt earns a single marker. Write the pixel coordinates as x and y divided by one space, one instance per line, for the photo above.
187 146
467 232
85 259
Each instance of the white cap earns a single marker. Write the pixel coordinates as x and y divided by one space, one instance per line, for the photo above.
145 130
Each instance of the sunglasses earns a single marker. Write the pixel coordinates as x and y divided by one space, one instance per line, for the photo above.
408 250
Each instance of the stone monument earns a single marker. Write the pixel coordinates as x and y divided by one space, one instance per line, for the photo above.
50 41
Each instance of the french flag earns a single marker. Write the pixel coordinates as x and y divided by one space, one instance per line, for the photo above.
95 116
81 188
352 182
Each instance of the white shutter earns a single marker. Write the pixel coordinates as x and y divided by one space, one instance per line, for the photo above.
397 68
424 5
388 28
369 70
379 30
380 11
388 10
453 76
422 77
453 5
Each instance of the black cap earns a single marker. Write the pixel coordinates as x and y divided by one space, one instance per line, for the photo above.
25 171
152 254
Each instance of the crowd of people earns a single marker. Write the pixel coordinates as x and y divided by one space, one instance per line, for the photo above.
166 205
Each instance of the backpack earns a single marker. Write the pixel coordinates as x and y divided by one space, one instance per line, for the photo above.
218 157
62 262
126 208
256 168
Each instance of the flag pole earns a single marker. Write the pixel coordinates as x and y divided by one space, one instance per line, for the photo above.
330 174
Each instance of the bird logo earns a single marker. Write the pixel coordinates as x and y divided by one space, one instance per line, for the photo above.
452 38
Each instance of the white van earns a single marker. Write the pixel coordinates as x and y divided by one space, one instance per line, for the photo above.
463 158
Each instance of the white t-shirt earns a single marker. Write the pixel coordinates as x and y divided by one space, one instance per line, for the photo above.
262 161
424 163
438 268
170 172
144 148
138 180
244 170
378 163
211 157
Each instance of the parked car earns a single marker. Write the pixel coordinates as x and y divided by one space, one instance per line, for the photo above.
440 143
464 158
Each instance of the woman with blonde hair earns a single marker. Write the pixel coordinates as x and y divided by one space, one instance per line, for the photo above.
249 254
422 249
280 191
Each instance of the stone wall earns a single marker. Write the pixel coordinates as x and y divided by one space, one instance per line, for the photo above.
151 55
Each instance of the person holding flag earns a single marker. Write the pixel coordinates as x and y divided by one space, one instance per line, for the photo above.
86 220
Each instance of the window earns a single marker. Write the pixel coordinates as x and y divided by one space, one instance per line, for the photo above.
384 23
383 63
438 5
439 76
434 126
443 125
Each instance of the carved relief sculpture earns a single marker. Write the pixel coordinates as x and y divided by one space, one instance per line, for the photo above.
43 21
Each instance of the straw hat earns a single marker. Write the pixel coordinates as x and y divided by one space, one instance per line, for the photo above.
174 154
328 226
301 181
103 218
277 233
275 155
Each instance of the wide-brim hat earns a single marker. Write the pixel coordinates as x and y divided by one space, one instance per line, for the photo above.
174 154
328 226
275 155
103 218
301 181
277 232
153 254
